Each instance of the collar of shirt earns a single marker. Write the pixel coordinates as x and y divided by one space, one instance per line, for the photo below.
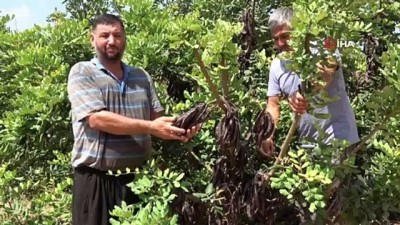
125 77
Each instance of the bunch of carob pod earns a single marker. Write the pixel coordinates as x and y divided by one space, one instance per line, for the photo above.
241 191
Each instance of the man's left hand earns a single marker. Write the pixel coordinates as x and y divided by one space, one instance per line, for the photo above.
326 68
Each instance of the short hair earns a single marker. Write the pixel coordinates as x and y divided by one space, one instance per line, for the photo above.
106 19
280 16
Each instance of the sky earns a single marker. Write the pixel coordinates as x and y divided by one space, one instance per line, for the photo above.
29 12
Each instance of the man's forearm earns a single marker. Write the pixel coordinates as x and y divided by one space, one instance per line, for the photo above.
274 111
117 124
273 107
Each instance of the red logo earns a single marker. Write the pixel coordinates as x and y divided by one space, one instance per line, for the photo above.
331 43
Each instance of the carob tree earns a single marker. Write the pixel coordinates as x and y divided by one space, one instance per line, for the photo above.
241 191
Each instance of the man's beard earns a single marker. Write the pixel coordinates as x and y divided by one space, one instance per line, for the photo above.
114 56
283 49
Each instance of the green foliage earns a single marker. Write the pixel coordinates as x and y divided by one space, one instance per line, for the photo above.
3 21
375 195
163 37
85 9
35 122
19 206
155 188
305 179
37 112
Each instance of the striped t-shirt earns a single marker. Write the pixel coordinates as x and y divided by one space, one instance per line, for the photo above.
92 88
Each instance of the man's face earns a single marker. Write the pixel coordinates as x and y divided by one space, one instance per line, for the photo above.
281 35
109 41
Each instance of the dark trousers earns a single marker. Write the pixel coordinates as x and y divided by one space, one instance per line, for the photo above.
95 193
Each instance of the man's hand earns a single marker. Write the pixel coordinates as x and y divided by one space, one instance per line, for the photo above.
326 69
190 133
267 148
162 128
298 103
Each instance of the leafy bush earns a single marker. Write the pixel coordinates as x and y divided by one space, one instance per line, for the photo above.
177 42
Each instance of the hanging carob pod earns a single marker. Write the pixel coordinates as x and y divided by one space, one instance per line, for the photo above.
227 131
248 38
264 128
228 169
227 134
198 114
259 201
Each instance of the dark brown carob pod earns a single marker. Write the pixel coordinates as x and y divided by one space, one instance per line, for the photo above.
198 114
264 127
227 131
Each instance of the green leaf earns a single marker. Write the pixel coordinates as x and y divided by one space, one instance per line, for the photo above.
292 154
312 207
177 184
294 161
297 167
306 164
318 197
320 204
174 220
284 192
159 173
287 185
166 172
180 176
209 189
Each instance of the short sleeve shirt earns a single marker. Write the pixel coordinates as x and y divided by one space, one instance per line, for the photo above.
92 88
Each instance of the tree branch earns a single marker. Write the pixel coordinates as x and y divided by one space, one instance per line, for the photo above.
201 162
285 146
213 88
224 78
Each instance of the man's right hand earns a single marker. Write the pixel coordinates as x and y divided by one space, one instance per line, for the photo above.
267 148
162 127
298 103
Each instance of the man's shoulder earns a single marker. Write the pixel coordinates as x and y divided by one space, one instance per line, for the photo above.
80 66
82 70
276 61
278 66
84 63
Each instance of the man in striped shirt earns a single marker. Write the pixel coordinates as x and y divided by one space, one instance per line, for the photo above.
115 110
